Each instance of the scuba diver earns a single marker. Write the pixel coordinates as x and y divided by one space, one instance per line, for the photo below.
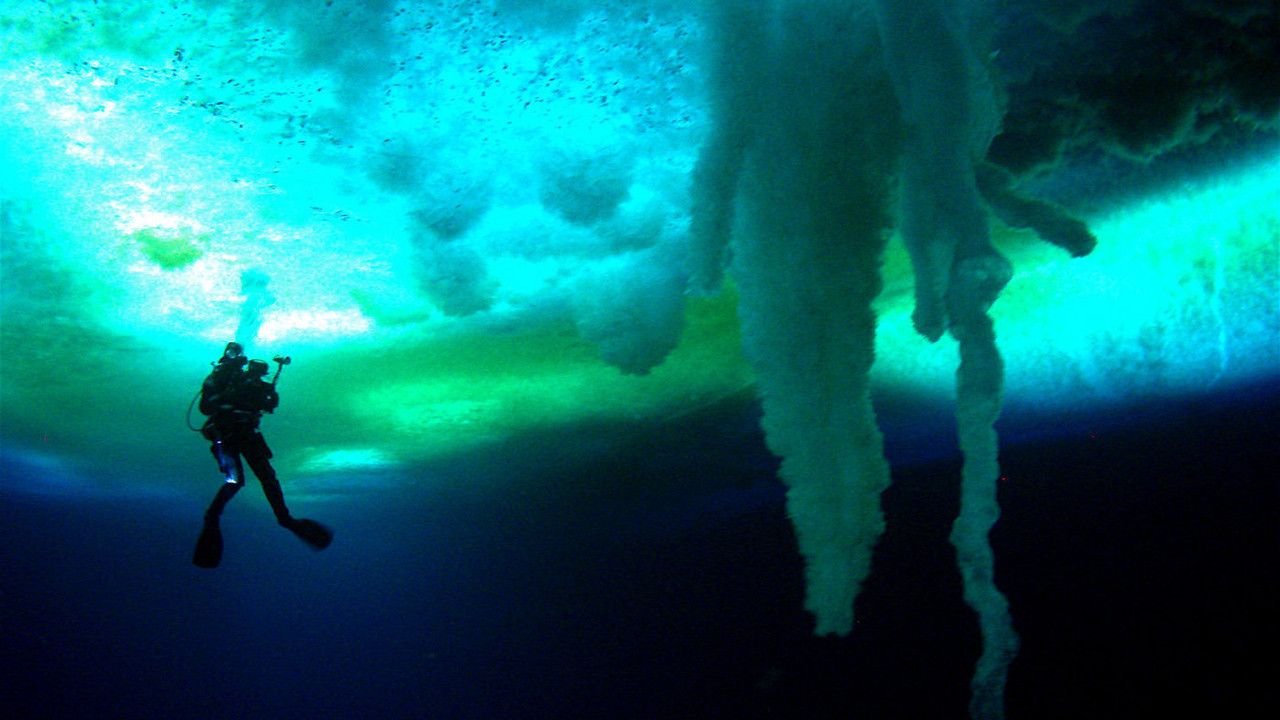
235 396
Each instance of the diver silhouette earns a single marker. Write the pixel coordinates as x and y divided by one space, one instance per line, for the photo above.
235 396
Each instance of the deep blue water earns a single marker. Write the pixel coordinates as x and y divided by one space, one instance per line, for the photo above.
1139 550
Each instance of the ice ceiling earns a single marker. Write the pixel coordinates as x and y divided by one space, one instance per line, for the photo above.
466 220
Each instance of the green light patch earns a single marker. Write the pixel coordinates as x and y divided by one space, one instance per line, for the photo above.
170 249
430 396
346 459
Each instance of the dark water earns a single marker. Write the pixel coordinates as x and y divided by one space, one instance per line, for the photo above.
1138 549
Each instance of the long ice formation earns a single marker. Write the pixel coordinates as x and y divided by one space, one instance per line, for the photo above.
808 230
950 110
822 111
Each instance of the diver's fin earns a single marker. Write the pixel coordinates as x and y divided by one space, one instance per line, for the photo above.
312 533
209 547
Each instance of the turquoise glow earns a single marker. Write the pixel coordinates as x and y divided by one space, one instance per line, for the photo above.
152 157
144 176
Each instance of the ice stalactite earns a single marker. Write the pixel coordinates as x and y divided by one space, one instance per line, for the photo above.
951 114
822 110
1047 220
949 108
805 196
739 38
979 390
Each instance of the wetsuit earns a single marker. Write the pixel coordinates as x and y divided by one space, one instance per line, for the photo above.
234 401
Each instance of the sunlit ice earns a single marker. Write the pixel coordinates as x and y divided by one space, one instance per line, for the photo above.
141 183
